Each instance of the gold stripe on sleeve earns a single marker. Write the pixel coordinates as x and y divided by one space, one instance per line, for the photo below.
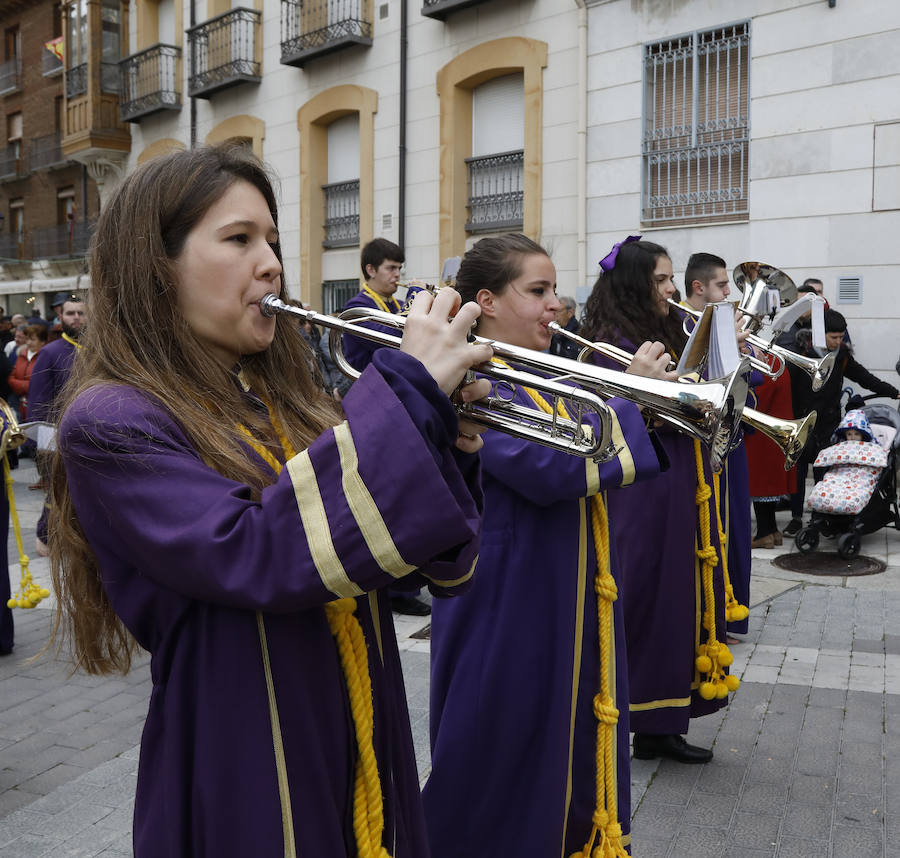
671 703
365 510
626 460
456 581
315 525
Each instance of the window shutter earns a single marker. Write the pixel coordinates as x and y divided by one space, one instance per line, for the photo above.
343 149
498 115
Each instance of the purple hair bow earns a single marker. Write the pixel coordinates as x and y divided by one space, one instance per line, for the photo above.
609 261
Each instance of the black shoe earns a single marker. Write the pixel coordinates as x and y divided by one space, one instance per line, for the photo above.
648 746
793 528
410 606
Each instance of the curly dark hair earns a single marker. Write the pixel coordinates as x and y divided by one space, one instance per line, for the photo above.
623 302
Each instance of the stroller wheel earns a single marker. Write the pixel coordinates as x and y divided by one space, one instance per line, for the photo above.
849 545
827 528
807 540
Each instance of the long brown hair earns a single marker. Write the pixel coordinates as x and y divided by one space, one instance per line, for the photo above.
138 337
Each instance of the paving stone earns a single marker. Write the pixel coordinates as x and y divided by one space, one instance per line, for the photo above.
859 810
709 809
696 842
807 820
766 799
793 847
812 789
858 841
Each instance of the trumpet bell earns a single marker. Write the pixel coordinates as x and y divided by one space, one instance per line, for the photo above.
11 436
790 435
748 274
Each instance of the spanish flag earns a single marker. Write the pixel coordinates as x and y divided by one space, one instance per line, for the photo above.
55 46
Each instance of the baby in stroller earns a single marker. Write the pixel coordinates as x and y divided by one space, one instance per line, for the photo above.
858 492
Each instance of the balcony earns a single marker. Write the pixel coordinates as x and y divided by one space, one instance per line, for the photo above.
11 164
148 82
496 195
224 52
440 9
62 242
11 76
76 81
341 214
10 246
45 153
313 28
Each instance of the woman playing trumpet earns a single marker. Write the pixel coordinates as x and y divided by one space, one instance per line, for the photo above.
217 508
674 594
527 667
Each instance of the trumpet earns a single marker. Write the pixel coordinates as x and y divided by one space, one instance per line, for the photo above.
497 411
708 411
818 369
790 435
11 435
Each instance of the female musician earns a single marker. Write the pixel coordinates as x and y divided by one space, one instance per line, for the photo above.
525 664
212 502
662 572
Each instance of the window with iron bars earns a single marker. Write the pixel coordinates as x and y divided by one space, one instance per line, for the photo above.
336 293
695 149
341 214
496 192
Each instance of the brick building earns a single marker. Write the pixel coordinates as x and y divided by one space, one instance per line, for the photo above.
47 201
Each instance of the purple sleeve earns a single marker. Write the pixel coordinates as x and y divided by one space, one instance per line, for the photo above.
352 513
357 350
544 476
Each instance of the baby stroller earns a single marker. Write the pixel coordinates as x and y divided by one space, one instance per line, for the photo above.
881 509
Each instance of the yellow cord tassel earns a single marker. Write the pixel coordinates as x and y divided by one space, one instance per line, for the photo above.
368 808
368 803
605 818
713 656
29 593
734 610
605 840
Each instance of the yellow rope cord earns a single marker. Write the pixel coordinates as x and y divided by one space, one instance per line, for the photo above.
368 804
379 300
713 656
29 593
734 610
605 818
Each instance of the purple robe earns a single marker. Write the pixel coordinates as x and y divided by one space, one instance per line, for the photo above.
197 570
51 371
736 484
655 527
515 661
357 350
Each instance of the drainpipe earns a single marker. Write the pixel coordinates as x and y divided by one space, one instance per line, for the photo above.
401 171
581 151
193 23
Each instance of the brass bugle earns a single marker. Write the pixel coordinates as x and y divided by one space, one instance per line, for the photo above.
790 435
496 411
709 411
818 369
757 364
11 435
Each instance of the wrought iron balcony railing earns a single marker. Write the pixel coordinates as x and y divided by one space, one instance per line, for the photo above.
61 242
11 76
50 63
312 28
341 214
11 165
223 52
442 8
44 153
496 194
10 246
148 82
76 81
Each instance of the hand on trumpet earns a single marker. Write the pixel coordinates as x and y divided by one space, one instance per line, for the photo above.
652 361
739 320
436 334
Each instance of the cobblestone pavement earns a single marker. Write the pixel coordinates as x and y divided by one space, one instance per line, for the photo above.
806 760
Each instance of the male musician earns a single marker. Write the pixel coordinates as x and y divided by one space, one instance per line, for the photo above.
706 282
381 262
565 317
51 371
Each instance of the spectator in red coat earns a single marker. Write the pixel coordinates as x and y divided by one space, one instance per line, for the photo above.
20 377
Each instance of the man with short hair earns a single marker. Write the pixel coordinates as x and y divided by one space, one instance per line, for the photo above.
381 262
51 371
705 280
